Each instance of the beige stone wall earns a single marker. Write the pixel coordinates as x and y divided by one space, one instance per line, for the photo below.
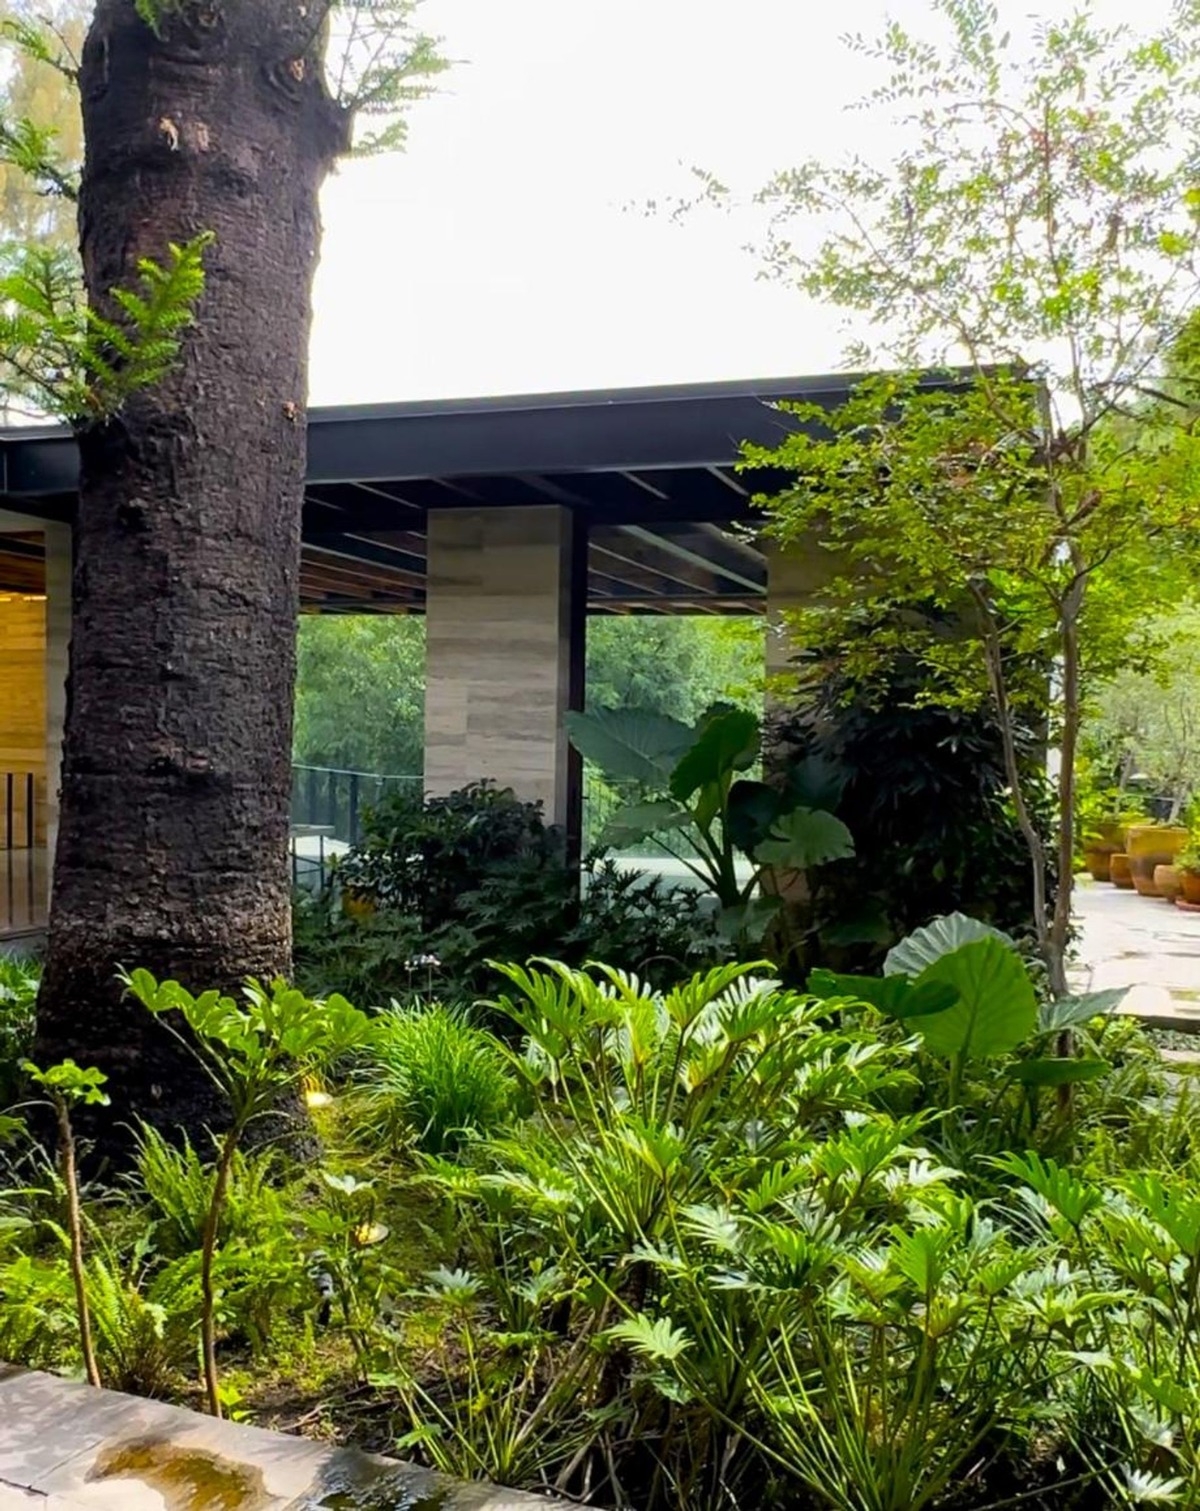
22 709
498 651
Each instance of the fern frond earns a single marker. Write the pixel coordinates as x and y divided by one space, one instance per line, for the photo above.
64 357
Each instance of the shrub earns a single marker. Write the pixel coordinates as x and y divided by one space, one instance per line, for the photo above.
923 789
419 856
657 929
740 1263
475 877
19 979
434 1078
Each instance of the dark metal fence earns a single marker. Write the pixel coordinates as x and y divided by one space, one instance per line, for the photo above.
328 805
334 801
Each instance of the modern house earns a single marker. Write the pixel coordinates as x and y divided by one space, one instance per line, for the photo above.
505 521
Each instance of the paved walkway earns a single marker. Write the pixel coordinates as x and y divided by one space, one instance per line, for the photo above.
1145 944
66 1447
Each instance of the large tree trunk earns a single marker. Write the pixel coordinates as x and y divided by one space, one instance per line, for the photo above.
172 846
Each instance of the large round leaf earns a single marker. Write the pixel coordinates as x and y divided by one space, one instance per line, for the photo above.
747 922
803 838
996 1008
1066 1012
638 821
815 782
751 810
922 948
630 744
1058 1072
896 996
726 743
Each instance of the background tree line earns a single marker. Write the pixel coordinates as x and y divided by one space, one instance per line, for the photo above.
360 686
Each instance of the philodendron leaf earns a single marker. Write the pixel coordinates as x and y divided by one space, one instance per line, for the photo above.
1058 1072
996 1008
654 1338
896 996
1068 1012
638 821
922 948
630 744
805 837
725 743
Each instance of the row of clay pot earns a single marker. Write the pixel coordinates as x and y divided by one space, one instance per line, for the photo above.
1167 881
1142 859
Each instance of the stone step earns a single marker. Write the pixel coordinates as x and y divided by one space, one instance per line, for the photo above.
67 1447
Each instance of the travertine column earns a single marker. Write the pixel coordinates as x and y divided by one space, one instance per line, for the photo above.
58 641
504 652
795 576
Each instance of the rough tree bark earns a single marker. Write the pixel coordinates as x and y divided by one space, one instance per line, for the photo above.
172 845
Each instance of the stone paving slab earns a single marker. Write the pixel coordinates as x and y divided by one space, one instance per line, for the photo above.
1144 944
67 1447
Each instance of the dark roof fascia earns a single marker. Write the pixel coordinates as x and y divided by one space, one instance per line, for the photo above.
624 429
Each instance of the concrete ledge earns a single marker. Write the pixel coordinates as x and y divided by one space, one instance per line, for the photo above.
66 1447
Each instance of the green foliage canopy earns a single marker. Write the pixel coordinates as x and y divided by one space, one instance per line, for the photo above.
1035 220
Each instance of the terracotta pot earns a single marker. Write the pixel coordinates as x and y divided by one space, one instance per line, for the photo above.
1119 872
1169 881
1151 845
1190 881
1098 862
1102 841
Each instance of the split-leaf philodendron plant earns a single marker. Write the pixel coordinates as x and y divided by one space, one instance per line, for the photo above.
687 788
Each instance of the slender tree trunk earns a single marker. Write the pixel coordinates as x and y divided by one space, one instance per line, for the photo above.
172 846
1060 928
66 1160
208 1252
993 651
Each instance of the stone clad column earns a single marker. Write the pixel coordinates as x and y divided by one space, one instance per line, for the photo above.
795 576
58 640
505 605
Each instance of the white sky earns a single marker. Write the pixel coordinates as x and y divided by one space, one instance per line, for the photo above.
500 255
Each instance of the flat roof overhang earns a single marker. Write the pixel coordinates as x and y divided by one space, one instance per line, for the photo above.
650 471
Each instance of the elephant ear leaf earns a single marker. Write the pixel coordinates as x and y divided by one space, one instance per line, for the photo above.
895 996
922 948
638 821
1068 1012
805 837
997 1006
1058 1072
748 922
815 782
630 744
752 808
728 741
